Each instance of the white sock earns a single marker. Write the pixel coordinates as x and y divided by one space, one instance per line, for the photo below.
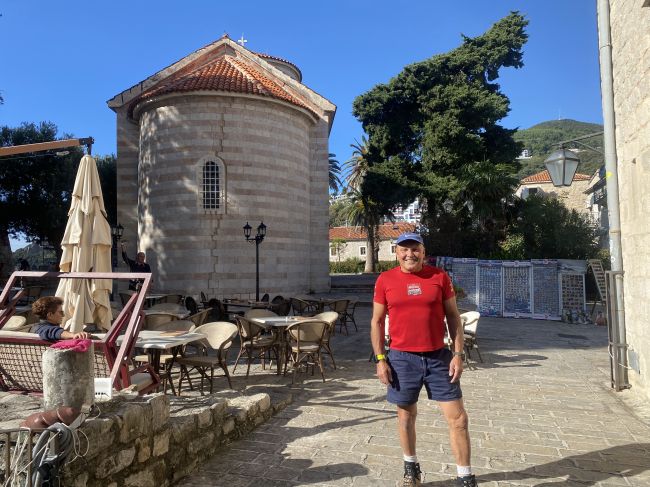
464 471
413 459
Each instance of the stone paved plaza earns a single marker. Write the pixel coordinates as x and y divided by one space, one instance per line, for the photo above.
541 414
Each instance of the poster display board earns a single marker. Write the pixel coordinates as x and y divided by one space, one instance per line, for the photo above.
463 274
490 287
572 294
517 292
546 299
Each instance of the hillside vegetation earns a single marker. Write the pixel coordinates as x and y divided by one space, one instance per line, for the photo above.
540 139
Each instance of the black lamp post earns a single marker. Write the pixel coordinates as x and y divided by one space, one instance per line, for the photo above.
258 239
116 232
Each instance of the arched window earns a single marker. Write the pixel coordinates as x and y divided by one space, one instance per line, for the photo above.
212 184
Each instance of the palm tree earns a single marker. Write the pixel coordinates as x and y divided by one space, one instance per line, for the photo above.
357 165
334 173
364 211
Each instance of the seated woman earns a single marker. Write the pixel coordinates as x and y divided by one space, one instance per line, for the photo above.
50 310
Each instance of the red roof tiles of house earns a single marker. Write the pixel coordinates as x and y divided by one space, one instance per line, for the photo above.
226 73
545 177
386 231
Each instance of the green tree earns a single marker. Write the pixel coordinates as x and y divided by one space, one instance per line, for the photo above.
339 245
338 213
35 189
546 229
364 211
434 133
334 173
357 165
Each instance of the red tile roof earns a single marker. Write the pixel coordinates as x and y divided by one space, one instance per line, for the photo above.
545 177
386 231
225 73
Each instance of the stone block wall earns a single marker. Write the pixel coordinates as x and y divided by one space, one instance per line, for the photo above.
630 21
154 441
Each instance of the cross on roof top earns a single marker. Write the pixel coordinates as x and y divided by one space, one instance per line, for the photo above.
242 42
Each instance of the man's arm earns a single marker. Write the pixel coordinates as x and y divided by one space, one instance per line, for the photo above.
125 257
377 337
458 335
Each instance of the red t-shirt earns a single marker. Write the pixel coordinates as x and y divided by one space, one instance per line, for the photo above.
415 310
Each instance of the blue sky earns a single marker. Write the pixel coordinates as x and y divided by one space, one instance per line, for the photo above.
61 61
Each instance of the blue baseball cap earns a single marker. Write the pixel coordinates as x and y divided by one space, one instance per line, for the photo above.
405 237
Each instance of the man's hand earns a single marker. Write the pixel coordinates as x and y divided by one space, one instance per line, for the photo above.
81 334
383 372
456 368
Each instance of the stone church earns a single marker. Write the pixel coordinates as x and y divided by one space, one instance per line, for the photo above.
223 137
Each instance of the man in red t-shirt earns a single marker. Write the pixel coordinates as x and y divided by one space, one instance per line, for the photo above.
417 298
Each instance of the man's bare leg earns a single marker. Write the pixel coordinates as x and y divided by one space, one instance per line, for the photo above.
456 416
406 426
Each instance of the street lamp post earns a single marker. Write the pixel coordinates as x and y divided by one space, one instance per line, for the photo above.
116 231
258 239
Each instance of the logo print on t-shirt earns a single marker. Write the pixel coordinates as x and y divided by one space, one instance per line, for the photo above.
414 290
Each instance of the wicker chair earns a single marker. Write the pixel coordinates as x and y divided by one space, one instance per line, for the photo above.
219 337
340 306
470 325
305 345
254 344
303 308
330 317
200 317
280 306
153 320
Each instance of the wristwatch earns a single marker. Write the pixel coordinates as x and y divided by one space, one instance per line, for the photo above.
459 354
378 357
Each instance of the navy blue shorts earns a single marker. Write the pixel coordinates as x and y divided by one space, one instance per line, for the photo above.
411 370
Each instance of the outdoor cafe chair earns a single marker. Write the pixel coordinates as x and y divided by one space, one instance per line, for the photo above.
154 320
470 325
258 313
200 317
190 304
349 312
305 345
330 317
280 306
204 299
340 306
265 298
303 308
218 337
254 344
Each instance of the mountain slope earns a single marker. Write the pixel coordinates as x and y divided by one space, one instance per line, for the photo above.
540 140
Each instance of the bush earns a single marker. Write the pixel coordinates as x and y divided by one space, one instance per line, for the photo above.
347 266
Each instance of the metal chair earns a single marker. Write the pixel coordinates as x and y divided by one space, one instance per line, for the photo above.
219 337
349 312
470 325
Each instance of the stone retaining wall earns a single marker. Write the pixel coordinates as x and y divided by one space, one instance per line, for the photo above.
155 440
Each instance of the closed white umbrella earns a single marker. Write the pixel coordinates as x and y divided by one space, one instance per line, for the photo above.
86 247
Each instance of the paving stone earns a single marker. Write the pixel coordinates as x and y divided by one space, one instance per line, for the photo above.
539 416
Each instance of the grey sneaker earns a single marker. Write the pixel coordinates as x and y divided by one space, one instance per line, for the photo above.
412 475
469 481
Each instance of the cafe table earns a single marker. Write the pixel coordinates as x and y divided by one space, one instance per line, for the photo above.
155 342
151 299
279 325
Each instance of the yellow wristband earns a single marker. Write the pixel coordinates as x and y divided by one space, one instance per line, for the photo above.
380 356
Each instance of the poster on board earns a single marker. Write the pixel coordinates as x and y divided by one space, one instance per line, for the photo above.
490 287
517 295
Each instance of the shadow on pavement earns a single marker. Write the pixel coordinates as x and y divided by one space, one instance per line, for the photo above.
584 470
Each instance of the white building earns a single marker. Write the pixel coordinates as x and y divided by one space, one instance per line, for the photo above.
353 241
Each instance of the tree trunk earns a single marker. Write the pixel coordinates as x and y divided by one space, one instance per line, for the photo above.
6 257
370 250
